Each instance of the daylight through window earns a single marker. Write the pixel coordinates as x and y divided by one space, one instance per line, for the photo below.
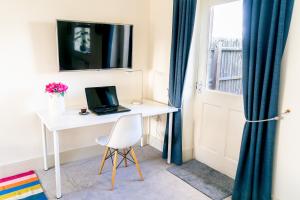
224 70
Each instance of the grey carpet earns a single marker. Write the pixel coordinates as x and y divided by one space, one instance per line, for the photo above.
214 184
81 182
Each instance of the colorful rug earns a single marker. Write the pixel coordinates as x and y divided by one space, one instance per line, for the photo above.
25 186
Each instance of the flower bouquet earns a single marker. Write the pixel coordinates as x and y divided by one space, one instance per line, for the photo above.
57 92
56 88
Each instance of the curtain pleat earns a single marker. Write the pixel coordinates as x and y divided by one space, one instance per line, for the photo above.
182 29
266 25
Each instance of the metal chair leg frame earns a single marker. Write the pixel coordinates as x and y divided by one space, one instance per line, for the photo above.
113 155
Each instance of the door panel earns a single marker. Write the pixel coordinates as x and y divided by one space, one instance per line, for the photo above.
219 121
233 134
210 114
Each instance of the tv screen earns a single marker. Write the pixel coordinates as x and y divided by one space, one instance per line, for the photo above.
84 45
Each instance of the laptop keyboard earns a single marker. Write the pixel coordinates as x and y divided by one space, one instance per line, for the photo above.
106 109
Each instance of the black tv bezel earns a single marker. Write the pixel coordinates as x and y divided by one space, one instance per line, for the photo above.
100 69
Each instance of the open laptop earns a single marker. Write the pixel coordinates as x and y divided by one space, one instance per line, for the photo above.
103 100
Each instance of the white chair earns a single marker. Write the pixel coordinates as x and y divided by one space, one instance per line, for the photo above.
126 132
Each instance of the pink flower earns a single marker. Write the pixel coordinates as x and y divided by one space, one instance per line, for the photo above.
57 88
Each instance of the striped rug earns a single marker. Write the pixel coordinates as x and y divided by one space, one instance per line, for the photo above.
24 186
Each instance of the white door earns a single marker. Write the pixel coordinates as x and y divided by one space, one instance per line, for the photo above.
219 117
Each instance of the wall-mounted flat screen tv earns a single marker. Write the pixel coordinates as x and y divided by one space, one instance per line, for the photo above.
85 45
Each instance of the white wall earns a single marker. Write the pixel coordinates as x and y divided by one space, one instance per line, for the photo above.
160 27
160 48
287 159
29 61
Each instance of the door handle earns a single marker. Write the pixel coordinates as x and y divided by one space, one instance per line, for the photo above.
199 86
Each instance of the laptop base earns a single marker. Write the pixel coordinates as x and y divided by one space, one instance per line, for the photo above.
119 109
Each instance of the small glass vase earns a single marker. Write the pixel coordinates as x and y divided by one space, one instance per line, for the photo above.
56 104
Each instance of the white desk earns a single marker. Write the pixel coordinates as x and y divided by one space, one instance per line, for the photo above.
71 119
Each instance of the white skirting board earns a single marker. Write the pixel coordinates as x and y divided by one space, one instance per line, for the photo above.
73 155
37 163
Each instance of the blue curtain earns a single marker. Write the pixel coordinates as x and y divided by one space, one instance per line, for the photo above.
183 23
266 26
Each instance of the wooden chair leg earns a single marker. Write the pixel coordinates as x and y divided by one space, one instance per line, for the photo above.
103 159
125 159
115 163
136 163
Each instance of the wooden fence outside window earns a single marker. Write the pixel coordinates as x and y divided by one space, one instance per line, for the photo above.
225 66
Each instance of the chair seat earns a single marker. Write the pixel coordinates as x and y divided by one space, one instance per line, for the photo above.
103 140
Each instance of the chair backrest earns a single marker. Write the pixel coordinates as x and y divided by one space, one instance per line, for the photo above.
126 132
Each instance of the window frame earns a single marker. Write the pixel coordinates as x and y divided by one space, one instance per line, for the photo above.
206 28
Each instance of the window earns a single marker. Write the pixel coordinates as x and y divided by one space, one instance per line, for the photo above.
224 69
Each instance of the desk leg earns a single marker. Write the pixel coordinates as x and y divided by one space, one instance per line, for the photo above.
45 151
145 136
57 164
148 129
170 137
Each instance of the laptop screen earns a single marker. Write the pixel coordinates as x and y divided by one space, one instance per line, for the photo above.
101 97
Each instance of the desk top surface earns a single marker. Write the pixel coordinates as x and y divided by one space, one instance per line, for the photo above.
71 118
